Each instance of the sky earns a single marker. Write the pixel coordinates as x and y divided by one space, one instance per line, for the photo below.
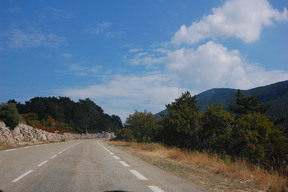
129 55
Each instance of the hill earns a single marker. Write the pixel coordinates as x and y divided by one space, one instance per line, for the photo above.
276 94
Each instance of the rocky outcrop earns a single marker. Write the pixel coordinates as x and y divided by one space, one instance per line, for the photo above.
27 135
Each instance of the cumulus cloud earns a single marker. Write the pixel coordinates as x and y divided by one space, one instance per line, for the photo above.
213 65
242 19
175 70
127 93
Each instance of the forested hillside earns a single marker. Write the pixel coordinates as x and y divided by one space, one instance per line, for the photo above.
243 132
276 94
64 115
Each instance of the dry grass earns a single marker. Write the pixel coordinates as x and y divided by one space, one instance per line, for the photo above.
242 175
4 146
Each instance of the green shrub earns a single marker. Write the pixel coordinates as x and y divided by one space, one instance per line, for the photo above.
124 134
9 114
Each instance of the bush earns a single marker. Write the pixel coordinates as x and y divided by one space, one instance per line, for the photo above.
9 114
124 134
144 126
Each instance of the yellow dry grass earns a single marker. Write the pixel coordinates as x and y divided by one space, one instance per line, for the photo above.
241 171
4 146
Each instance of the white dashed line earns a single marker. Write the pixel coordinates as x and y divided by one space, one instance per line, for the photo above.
53 156
138 175
124 163
21 176
134 172
155 189
42 163
116 157
39 165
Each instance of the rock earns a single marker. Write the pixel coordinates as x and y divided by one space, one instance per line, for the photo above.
27 135
6 137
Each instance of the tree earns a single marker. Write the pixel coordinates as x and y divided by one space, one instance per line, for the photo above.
75 116
88 115
143 125
248 104
116 121
215 133
251 136
9 114
124 134
277 150
181 125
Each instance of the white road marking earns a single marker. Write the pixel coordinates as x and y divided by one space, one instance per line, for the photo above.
42 163
21 176
155 189
53 157
116 157
124 163
111 153
138 175
59 153
10 150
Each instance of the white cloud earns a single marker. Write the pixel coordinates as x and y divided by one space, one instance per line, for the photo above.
212 65
242 19
59 13
33 38
81 68
144 58
66 56
134 50
127 93
101 27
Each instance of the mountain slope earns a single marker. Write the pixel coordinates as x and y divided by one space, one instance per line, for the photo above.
276 94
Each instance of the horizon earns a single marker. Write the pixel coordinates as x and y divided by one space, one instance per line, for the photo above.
123 120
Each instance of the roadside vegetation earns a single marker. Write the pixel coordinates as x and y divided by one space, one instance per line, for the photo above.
246 134
241 143
9 114
205 169
59 114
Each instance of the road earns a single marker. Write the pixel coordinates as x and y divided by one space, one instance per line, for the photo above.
83 165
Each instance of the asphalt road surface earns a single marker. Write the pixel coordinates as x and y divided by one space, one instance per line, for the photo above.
83 165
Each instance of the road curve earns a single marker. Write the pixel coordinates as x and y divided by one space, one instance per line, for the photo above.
82 165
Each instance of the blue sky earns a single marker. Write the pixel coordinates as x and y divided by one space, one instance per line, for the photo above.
139 55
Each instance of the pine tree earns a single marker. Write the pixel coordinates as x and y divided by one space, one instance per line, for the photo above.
181 125
248 104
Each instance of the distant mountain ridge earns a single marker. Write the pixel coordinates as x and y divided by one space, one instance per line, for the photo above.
276 94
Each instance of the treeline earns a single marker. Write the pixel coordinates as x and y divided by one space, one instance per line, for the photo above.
247 133
61 114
